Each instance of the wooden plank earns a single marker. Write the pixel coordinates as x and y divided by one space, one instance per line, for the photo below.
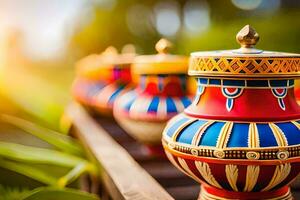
122 175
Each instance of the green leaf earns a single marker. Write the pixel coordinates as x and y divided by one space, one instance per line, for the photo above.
28 171
59 194
30 154
73 174
12 193
60 141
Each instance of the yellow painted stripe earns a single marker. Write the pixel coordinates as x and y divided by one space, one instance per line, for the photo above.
253 137
281 172
173 121
296 124
279 135
188 170
172 160
180 128
224 135
251 177
201 130
205 172
232 176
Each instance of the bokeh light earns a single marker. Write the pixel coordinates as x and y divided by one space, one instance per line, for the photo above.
247 4
269 5
167 18
139 20
46 27
196 16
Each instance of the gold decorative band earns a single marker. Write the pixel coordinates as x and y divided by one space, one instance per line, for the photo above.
276 153
241 66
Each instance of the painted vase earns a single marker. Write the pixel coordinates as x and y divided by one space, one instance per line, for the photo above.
240 137
101 78
296 183
297 91
161 93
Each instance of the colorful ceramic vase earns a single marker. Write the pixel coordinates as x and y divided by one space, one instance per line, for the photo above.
296 183
297 91
161 93
240 137
101 78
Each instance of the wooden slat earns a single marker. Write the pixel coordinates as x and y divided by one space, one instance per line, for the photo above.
122 175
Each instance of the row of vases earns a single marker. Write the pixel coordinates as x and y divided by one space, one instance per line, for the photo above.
239 138
142 92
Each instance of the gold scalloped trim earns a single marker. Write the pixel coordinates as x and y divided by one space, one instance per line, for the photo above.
224 135
251 177
253 137
205 172
279 135
197 137
232 174
187 169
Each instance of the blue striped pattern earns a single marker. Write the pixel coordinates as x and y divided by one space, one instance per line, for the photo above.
185 135
92 90
291 132
211 134
87 90
154 103
238 136
115 94
171 130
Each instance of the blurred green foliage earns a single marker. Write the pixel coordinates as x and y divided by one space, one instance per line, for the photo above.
58 165
279 30
43 88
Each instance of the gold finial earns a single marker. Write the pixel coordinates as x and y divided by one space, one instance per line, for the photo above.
247 37
128 49
163 46
110 51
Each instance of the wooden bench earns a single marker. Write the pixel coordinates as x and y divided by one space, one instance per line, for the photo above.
127 170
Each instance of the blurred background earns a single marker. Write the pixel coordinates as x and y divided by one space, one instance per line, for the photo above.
41 40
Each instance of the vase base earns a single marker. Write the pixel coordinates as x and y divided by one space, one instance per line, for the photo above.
209 193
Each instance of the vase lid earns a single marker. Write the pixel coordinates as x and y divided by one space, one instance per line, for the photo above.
162 62
100 64
246 61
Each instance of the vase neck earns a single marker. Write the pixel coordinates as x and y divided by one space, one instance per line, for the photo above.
245 100
163 85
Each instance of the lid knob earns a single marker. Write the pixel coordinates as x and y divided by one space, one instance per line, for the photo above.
247 37
110 51
163 46
128 49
